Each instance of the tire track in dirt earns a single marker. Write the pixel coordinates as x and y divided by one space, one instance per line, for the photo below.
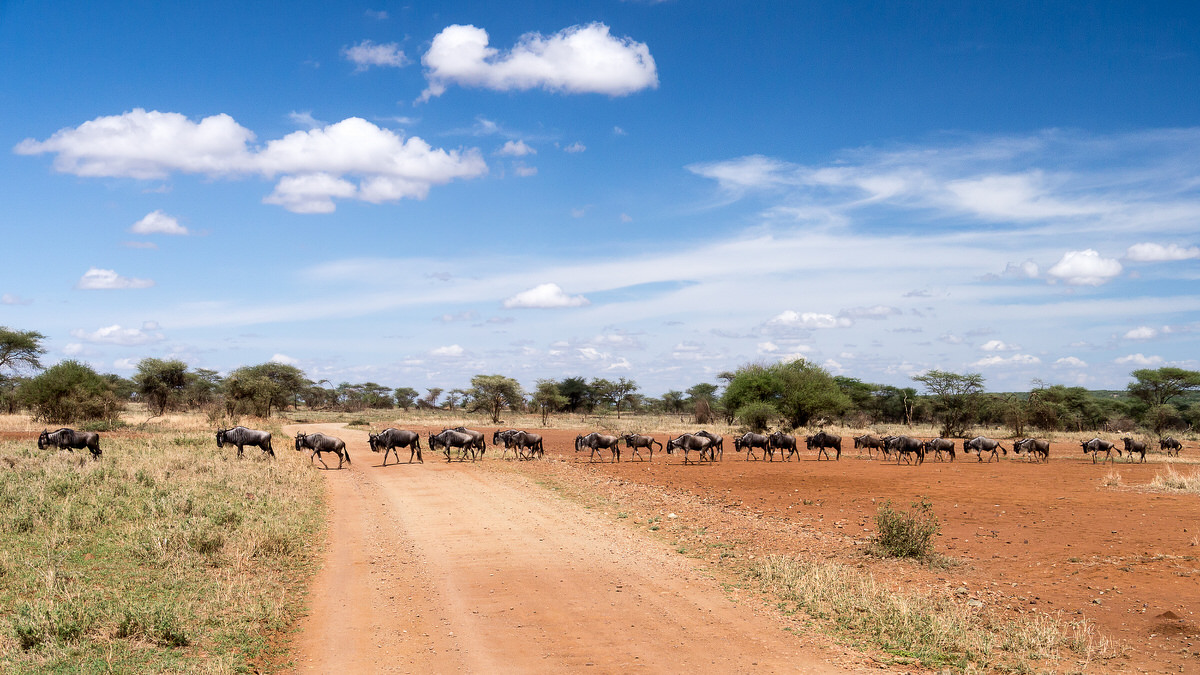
444 568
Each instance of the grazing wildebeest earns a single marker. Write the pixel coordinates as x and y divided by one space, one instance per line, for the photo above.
1036 448
479 443
781 441
390 440
1132 446
870 442
241 436
904 446
982 444
1170 446
69 439
505 438
597 442
749 441
822 441
1098 445
321 444
689 442
717 449
635 441
525 440
453 438
939 445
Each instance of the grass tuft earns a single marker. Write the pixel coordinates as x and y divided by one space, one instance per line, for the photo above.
905 534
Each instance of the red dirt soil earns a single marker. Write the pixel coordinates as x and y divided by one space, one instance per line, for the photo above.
478 568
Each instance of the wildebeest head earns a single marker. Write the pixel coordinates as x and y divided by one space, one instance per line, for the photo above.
373 441
221 437
43 439
300 440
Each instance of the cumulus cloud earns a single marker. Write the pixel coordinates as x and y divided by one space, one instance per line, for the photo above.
875 313
118 335
284 359
448 351
351 159
525 171
1148 252
100 279
575 60
1084 268
1138 359
1028 270
997 346
157 222
545 296
575 148
1141 333
1070 362
515 149
367 53
1014 360
13 299
793 319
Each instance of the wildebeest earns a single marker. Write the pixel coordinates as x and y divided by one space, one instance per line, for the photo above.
1132 446
749 441
453 438
390 440
635 441
69 439
505 438
1170 446
982 444
870 442
1033 447
241 436
903 446
939 445
479 443
781 441
1098 445
690 442
717 449
597 442
822 441
525 440
321 444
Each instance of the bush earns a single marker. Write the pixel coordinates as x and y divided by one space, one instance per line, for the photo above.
757 415
905 534
68 392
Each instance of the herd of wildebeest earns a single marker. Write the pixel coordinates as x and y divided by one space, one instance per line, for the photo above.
708 446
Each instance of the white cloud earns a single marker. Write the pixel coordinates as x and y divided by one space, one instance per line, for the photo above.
1139 359
575 148
13 299
314 166
1070 362
767 347
157 222
1141 333
284 359
1148 252
448 351
545 296
305 119
997 346
579 59
793 319
1028 269
525 171
72 349
117 335
1014 360
101 279
367 53
1085 268
516 149
125 364
875 313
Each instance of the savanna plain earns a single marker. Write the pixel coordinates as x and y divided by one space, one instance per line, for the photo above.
171 555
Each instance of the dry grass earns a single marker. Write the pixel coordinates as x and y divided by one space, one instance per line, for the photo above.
1174 481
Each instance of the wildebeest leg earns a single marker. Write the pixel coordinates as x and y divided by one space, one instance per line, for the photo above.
240 455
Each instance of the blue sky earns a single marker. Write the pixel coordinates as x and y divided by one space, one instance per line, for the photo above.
417 193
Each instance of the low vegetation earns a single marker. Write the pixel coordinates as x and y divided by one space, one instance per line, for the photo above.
905 534
1175 481
166 555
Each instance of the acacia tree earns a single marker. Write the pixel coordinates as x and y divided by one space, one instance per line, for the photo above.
20 350
161 383
615 392
1157 386
68 392
264 387
798 391
405 397
957 398
494 393
548 399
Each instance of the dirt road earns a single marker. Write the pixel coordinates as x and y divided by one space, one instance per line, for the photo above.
440 567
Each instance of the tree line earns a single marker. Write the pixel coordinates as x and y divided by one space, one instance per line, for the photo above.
757 396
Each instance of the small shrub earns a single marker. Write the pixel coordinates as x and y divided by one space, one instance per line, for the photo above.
906 534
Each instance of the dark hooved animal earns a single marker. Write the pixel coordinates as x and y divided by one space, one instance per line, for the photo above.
689 443
1170 446
453 438
479 443
69 439
717 449
506 440
1097 445
870 442
782 442
527 441
635 441
241 437
390 440
321 444
1134 445
904 446
822 442
939 445
749 441
597 442
1035 448
982 444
